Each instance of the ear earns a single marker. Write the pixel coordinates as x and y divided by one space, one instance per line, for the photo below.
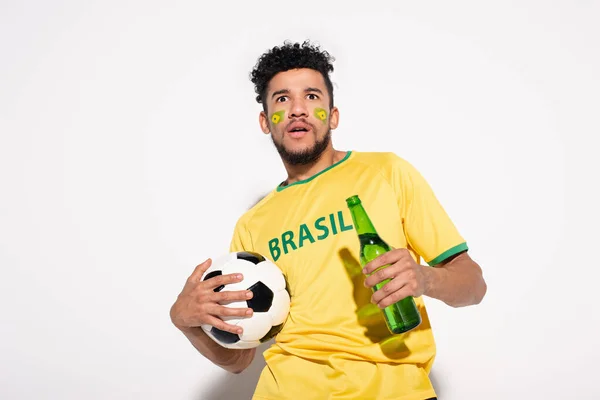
263 120
334 118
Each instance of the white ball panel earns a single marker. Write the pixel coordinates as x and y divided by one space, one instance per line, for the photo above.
236 286
280 308
255 327
243 344
259 324
223 260
269 274
238 265
218 263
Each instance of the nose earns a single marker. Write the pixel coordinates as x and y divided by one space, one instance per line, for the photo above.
298 109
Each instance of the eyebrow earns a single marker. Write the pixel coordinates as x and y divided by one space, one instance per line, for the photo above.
287 91
313 90
278 92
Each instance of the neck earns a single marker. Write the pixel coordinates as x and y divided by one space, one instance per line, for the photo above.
301 172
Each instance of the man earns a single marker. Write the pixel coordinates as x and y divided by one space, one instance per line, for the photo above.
335 343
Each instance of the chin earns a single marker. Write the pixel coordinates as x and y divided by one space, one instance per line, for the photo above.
302 151
299 147
295 146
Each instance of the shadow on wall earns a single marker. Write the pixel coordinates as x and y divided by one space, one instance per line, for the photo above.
240 386
257 200
436 383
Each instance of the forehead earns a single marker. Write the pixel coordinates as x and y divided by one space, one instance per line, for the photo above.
297 79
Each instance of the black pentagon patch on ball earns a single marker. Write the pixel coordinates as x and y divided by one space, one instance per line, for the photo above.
224 336
212 275
254 258
262 297
272 333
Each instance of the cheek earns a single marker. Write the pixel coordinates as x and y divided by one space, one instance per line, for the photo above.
320 114
277 117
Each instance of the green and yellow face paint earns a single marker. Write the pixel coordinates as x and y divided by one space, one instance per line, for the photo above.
321 114
277 117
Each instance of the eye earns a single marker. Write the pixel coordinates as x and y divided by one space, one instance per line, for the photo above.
280 99
312 96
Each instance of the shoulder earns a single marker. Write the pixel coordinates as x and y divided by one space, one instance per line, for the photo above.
259 203
387 162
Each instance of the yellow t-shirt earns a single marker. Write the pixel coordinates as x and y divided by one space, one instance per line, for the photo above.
335 343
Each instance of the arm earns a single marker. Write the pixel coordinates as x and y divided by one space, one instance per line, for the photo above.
457 282
198 304
234 361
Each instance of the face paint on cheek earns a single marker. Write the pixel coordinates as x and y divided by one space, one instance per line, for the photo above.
321 114
277 117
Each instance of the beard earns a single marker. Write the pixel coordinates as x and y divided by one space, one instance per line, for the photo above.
306 156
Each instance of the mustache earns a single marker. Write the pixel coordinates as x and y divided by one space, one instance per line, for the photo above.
303 120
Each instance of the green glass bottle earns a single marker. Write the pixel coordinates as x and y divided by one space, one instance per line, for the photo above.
403 315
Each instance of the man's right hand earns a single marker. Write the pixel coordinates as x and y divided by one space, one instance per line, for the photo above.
198 303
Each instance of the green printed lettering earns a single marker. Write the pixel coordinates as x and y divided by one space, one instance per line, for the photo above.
305 234
321 227
333 227
342 226
274 249
288 239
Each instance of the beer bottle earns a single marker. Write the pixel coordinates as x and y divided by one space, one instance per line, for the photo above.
403 315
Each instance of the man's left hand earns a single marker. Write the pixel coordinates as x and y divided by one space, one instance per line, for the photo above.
407 277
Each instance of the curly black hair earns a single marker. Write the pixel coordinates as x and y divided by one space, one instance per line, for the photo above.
291 56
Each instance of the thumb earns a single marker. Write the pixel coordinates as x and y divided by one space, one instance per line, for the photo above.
200 270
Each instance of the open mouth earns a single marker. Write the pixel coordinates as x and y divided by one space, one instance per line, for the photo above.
298 129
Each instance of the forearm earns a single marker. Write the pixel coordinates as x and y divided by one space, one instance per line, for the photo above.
232 360
458 283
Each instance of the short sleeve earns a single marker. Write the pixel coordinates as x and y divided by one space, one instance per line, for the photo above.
428 228
241 240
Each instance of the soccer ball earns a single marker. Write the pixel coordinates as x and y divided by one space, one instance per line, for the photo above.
271 300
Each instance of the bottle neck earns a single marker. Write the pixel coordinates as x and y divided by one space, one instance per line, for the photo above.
362 222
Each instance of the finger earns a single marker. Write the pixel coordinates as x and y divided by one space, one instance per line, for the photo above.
222 311
222 280
229 296
392 286
395 297
390 257
381 275
222 325
200 270
402 265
